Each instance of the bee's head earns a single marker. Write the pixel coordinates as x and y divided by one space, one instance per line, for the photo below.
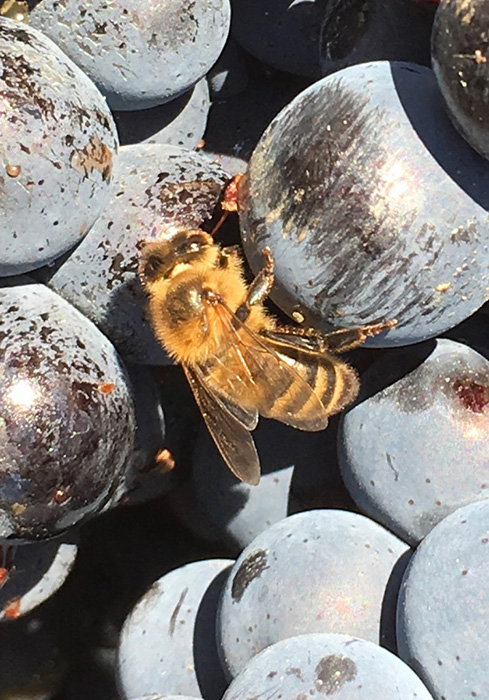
162 259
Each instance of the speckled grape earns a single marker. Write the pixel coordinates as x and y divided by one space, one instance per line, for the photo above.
57 150
66 414
139 55
443 606
180 122
428 408
372 205
319 571
157 188
167 643
327 665
459 52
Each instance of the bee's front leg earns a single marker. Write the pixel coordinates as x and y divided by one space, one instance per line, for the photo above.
260 288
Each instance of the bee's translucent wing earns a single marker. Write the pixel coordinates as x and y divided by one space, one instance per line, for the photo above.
250 372
232 439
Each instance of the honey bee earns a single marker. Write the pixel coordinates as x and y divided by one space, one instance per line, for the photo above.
239 362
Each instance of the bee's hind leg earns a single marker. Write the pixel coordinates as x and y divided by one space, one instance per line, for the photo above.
350 338
260 288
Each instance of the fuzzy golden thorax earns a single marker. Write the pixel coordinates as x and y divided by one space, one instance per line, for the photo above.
178 281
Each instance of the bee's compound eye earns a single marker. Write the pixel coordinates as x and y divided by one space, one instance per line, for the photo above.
195 243
151 267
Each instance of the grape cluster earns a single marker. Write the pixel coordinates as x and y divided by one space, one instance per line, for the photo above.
133 564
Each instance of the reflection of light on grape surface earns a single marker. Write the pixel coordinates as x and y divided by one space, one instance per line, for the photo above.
474 432
22 394
394 184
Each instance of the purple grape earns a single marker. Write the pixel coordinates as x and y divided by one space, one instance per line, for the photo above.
66 414
281 33
156 187
319 571
143 55
180 122
229 75
237 122
324 665
32 573
357 31
157 696
33 661
372 205
59 142
299 472
443 606
144 480
167 642
428 408
459 46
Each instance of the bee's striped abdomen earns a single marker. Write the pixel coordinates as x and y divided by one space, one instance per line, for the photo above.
333 384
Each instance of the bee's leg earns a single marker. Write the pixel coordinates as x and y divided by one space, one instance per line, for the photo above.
312 340
303 338
350 338
260 288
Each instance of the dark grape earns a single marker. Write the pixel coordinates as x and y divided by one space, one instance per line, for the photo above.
281 33
459 49
443 606
357 31
180 122
299 472
372 205
32 573
66 414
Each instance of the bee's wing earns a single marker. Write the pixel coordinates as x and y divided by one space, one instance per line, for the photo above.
232 438
251 367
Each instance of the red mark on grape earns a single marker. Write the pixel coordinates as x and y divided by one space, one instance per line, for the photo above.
12 609
106 388
473 396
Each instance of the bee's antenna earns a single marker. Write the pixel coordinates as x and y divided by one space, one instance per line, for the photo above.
216 228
